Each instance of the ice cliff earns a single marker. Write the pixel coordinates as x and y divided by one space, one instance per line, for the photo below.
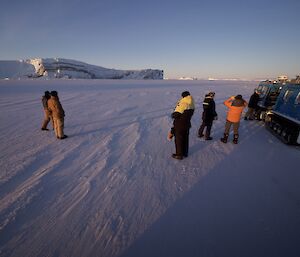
69 69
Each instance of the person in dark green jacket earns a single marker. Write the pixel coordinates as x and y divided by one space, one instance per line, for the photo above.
47 113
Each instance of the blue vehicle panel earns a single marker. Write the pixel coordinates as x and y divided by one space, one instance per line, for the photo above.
288 103
284 118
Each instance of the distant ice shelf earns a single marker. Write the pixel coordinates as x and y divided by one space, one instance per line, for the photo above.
57 68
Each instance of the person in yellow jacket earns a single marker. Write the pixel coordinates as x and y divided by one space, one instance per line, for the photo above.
235 105
182 115
58 115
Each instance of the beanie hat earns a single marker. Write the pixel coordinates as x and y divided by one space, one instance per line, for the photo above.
238 97
185 93
54 93
47 95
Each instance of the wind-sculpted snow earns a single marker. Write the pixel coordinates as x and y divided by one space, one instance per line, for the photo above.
112 190
69 69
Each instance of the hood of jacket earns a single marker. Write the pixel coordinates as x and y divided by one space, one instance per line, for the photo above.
185 103
238 102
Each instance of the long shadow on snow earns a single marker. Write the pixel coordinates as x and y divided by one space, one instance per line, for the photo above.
234 211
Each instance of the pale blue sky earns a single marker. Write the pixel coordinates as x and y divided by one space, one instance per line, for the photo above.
213 38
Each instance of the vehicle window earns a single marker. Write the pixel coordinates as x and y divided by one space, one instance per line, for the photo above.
263 90
297 100
287 95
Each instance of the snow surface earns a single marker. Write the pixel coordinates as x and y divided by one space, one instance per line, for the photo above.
112 189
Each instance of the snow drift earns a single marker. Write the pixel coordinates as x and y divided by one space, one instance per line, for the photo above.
70 69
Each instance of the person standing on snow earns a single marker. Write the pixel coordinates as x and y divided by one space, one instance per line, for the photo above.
236 105
47 113
58 115
252 106
209 114
182 123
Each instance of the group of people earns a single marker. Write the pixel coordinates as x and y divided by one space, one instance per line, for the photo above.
184 111
53 111
182 115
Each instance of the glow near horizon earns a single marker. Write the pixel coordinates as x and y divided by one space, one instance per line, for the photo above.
219 39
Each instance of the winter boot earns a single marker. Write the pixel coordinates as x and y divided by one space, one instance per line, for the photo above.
235 138
207 135
63 137
224 139
200 130
178 157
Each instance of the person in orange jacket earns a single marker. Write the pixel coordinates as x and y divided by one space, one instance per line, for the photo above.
236 105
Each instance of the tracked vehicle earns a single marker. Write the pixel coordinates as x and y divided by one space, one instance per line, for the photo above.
284 118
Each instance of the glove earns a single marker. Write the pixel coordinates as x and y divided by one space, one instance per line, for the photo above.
170 136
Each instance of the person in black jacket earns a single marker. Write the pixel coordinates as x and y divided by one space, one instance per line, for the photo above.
182 123
252 105
209 114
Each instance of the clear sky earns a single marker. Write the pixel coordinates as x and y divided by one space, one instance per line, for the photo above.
196 38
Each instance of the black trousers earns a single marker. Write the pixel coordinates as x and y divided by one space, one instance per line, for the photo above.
182 142
208 125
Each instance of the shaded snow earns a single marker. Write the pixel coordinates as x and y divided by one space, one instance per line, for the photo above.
111 189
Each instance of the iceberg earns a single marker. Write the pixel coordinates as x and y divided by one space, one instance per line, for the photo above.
59 68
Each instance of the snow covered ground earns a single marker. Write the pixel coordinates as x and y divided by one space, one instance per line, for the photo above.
111 189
